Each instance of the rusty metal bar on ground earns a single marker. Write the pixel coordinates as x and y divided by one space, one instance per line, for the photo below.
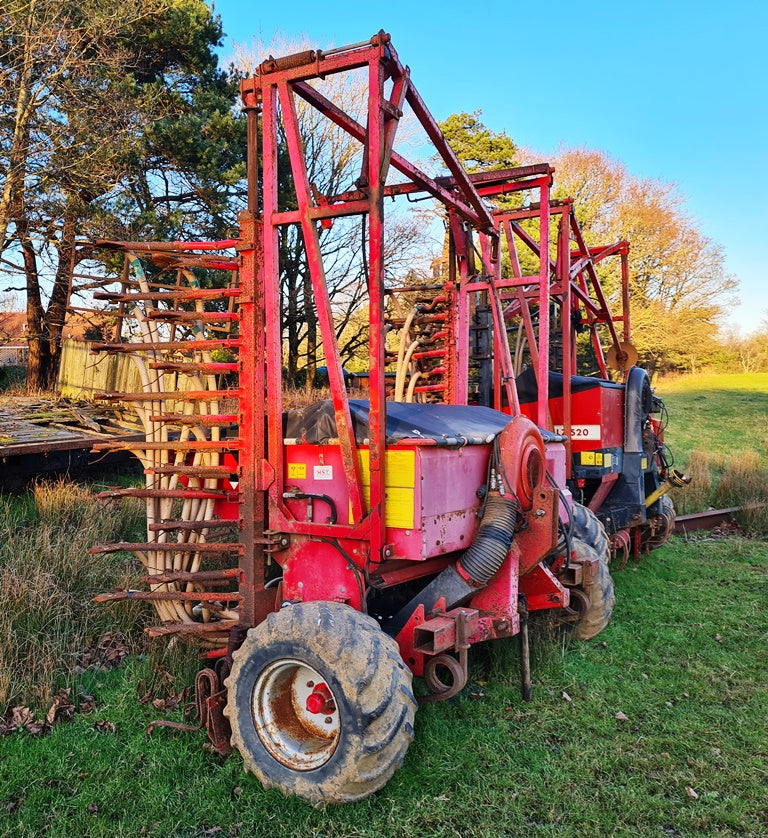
698 521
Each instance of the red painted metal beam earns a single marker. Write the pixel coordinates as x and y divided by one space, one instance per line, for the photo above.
424 182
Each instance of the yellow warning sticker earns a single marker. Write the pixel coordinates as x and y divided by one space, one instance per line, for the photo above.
297 471
598 458
607 460
587 458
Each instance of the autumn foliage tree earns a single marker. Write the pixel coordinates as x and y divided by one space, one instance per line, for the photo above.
679 285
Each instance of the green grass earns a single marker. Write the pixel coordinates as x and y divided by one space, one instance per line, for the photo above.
724 415
718 434
685 659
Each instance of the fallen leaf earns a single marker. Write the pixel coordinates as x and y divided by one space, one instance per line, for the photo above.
621 717
691 793
21 716
719 638
566 696
104 726
62 707
92 808
716 752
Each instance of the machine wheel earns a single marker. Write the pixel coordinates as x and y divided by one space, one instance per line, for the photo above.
601 596
320 703
588 528
653 542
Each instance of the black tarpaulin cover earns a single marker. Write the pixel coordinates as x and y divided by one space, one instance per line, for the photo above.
446 424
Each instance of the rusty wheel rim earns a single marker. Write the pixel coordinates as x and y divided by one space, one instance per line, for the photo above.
295 714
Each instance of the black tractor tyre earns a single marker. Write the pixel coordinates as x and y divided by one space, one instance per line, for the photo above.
660 537
601 594
589 528
320 703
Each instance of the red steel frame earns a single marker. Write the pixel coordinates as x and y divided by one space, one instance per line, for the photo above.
570 281
566 276
270 99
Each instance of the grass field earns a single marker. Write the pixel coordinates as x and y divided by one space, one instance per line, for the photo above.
718 434
657 727
684 660
723 415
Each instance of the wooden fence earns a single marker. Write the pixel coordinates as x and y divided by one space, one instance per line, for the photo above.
82 373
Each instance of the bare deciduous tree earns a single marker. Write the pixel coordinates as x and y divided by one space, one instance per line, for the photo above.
334 161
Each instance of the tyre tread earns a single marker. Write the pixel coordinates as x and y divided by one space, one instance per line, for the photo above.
371 674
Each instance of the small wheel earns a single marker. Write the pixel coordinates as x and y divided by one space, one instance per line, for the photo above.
601 593
578 603
320 703
653 540
589 528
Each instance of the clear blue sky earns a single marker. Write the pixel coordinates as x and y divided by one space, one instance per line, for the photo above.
676 90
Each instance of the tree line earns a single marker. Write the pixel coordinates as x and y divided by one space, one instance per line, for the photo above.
117 122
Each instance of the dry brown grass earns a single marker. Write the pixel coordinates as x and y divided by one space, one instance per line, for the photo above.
696 496
47 581
744 483
296 397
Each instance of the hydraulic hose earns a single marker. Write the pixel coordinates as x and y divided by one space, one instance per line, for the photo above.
518 462
474 570
487 552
